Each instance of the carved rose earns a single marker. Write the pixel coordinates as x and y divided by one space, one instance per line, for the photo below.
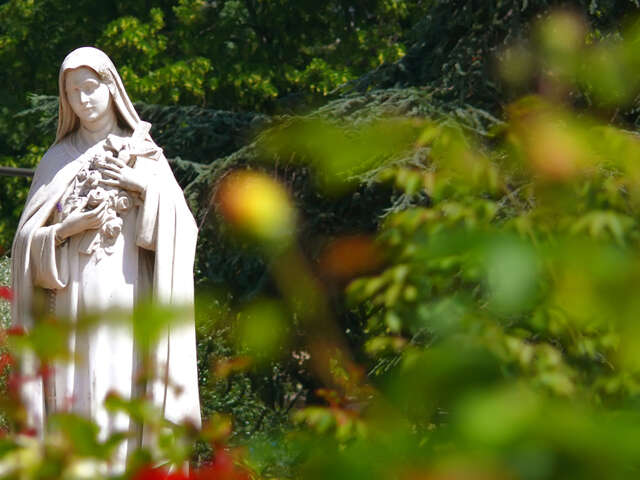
94 178
82 175
96 197
70 205
96 161
112 228
123 203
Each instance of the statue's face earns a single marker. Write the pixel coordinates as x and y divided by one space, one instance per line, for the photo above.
88 96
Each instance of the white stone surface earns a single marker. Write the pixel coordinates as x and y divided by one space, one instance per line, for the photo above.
104 227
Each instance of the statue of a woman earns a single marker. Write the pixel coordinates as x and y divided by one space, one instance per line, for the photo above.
105 226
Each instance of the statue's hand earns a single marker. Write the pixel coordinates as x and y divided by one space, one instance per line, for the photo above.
79 221
123 176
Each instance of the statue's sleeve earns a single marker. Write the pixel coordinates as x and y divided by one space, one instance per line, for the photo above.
148 216
162 194
146 232
49 261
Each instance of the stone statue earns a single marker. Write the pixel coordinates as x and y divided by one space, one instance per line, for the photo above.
105 226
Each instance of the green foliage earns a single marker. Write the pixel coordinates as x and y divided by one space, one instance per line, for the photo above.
236 55
503 314
482 321
454 45
228 54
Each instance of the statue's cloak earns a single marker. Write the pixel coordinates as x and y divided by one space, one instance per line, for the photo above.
165 227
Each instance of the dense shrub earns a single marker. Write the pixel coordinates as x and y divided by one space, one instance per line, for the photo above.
444 289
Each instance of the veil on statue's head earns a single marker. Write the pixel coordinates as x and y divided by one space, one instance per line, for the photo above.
99 62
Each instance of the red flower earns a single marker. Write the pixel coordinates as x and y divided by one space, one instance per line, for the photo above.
6 360
16 331
29 432
45 370
222 468
177 476
14 382
6 293
150 473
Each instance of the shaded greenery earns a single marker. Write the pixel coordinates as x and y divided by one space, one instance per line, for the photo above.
238 55
492 316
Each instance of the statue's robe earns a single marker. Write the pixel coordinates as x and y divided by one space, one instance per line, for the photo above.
153 257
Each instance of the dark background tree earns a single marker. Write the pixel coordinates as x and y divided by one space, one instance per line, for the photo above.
212 75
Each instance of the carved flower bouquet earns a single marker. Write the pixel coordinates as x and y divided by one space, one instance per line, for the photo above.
87 191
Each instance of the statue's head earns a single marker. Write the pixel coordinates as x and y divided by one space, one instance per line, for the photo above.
89 96
90 87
